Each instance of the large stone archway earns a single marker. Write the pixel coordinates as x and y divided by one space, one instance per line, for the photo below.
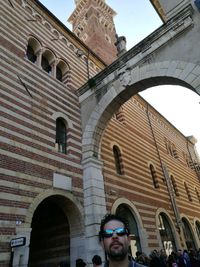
117 93
166 57
172 226
127 84
71 209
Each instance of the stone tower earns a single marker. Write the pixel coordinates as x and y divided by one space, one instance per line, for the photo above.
92 22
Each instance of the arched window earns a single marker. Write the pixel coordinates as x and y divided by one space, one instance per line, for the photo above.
47 61
32 49
166 234
125 212
62 71
31 54
120 116
197 224
154 176
118 160
174 185
188 235
166 144
61 136
198 195
187 191
45 64
59 75
170 149
174 152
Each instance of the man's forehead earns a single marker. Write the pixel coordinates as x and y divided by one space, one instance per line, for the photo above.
112 224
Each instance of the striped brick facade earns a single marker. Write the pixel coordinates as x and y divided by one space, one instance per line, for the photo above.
141 134
31 168
43 197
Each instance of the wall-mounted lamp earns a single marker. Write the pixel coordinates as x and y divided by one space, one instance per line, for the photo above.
18 222
79 53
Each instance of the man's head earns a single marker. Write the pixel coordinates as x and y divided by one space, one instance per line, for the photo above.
114 237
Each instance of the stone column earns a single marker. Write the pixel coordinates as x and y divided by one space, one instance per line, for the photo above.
39 57
94 205
53 65
21 254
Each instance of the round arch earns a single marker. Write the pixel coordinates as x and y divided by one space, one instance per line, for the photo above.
128 83
171 224
33 49
197 230
71 214
112 144
76 210
35 41
142 232
63 70
56 115
49 54
188 232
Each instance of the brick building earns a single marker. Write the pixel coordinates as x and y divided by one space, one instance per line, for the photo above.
150 169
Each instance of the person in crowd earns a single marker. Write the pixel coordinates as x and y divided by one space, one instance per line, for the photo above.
80 263
171 261
63 264
96 261
155 260
141 258
180 259
186 258
198 255
115 240
163 257
193 258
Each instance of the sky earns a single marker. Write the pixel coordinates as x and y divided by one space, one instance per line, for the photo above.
135 20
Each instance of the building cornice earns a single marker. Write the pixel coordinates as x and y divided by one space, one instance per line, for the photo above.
142 52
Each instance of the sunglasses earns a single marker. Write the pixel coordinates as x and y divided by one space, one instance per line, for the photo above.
119 231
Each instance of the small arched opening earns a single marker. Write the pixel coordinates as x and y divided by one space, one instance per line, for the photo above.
123 211
33 47
61 135
189 240
166 234
50 236
47 61
62 72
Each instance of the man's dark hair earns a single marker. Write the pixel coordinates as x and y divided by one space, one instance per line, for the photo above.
97 260
111 217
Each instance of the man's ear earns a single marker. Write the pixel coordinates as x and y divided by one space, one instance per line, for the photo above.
102 243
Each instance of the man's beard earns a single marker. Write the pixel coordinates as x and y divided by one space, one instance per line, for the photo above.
117 254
